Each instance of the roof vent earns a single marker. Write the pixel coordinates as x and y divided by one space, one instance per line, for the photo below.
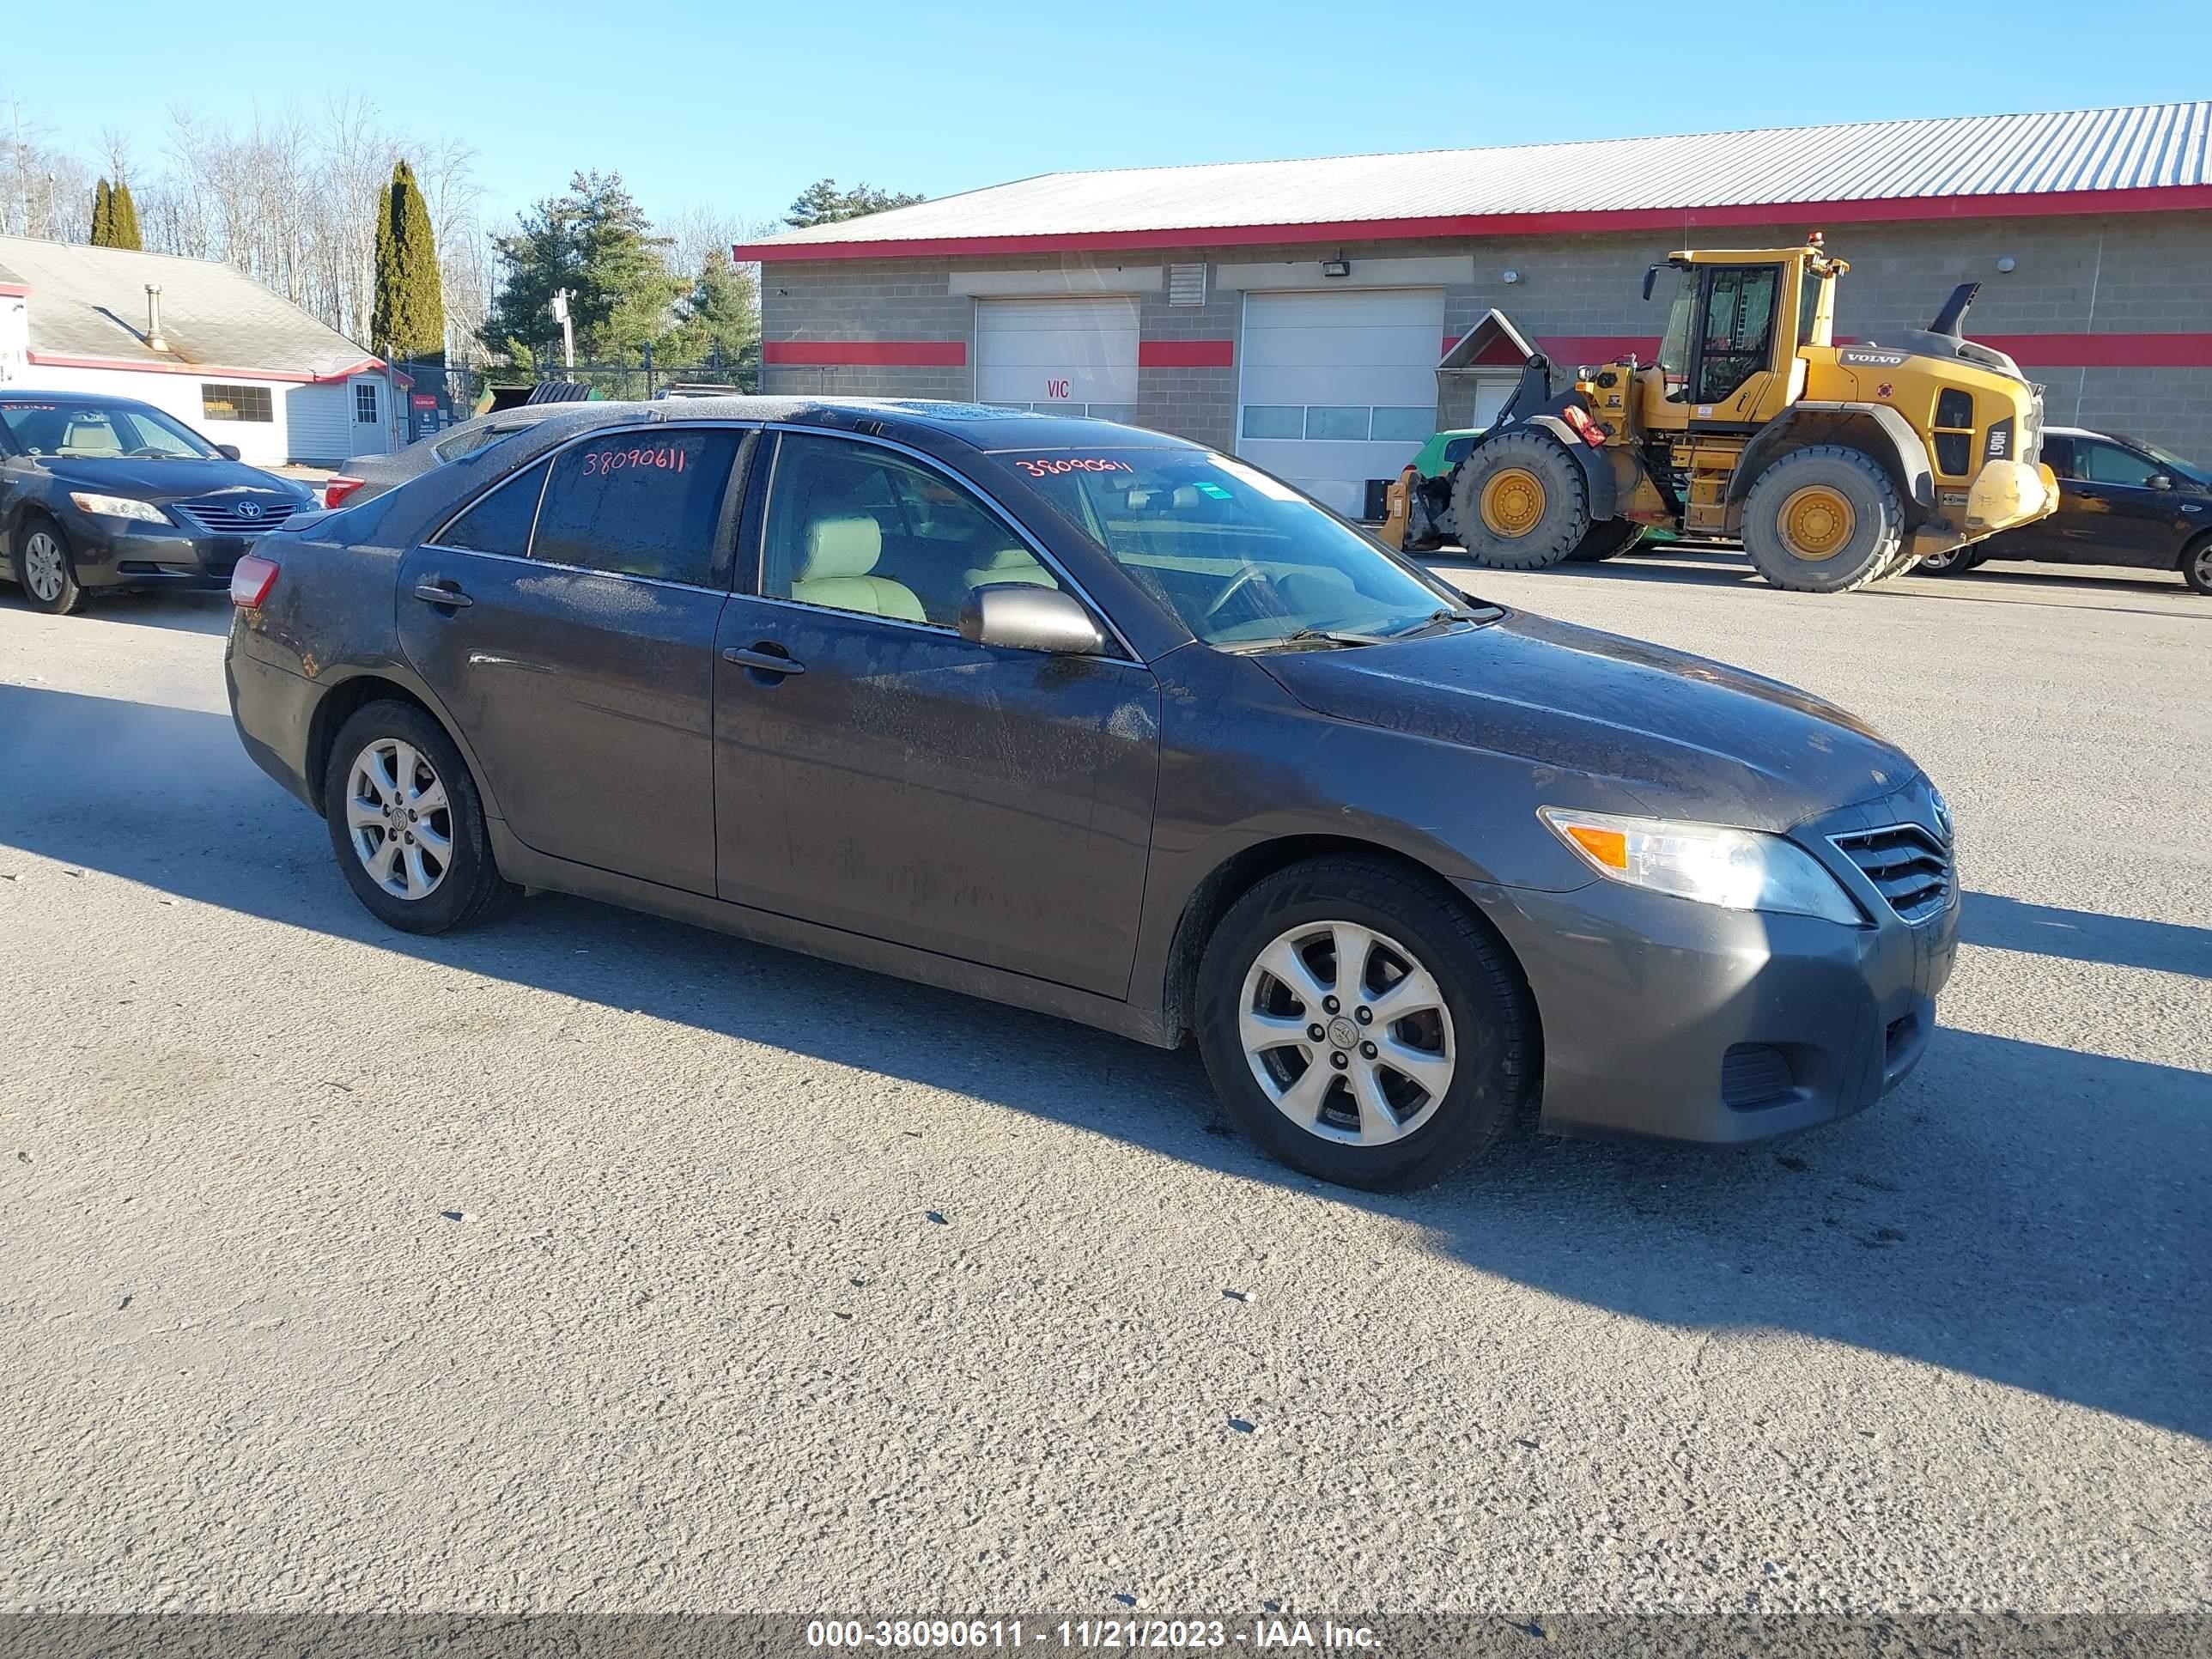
154 340
1187 285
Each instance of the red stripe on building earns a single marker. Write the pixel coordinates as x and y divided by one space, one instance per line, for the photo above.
2161 198
1185 354
872 354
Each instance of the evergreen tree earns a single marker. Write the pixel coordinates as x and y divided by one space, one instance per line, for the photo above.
408 321
597 243
103 211
824 203
718 321
123 219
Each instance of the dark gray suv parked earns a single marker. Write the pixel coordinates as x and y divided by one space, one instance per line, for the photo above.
1099 722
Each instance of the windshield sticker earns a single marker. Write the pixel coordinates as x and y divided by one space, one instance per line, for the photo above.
600 463
1207 487
1273 490
48 408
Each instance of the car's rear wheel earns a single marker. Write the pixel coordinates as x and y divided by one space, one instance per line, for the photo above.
1363 1025
44 567
1952 562
1605 538
2197 566
407 823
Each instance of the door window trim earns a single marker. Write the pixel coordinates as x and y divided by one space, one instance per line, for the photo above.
757 574
727 521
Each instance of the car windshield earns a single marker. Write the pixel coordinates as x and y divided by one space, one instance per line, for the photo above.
1243 560
2195 471
56 426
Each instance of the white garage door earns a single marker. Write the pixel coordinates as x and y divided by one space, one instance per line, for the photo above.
1077 356
1339 388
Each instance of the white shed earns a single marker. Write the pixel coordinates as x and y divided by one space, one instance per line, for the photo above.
197 338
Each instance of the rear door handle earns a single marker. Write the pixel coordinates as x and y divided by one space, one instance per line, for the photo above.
762 660
441 593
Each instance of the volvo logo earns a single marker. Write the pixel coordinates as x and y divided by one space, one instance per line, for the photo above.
249 509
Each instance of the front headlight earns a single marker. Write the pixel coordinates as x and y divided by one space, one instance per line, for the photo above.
1710 863
117 506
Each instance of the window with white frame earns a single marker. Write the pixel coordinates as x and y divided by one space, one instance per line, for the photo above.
364 403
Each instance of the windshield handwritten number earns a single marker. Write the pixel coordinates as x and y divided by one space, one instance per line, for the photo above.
603 462
1073 464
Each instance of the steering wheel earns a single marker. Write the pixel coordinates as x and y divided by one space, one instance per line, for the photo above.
1243 579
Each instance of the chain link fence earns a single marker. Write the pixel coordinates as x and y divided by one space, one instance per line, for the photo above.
430 397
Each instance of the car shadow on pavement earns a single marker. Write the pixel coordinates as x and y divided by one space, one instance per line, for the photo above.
2010 924
194 612
2022 1212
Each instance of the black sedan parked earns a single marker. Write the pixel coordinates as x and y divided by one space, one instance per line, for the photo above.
101 492
2121 501
1097 722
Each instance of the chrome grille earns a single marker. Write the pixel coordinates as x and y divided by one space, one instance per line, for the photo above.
220 515
1908 865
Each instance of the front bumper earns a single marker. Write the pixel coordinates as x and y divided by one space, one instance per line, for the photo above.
1670 1020
131 553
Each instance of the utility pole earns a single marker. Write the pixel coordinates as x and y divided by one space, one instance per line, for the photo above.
568 331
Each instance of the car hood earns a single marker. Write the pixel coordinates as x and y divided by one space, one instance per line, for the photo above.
168 481
1689 737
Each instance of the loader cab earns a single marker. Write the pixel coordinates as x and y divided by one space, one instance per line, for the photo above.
1728 358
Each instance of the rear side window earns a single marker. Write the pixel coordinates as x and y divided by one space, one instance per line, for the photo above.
640 503
500 523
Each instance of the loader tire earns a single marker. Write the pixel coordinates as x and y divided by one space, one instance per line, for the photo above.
1520 502
1606 537
1824 519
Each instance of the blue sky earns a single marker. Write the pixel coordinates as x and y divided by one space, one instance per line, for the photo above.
740 105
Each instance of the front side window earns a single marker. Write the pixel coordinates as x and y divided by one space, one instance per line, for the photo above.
854 527
500 521
1674 344
640 503
237 402
1739 325
1241 558
45 426
2109 464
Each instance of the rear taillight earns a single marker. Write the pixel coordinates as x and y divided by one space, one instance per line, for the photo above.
251 579
337 488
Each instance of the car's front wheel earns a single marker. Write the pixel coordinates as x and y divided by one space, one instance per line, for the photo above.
1952 562
407 823
2197 566
1363 1025
44 567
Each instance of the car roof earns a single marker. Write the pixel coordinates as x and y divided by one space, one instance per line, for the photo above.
981 426
66 394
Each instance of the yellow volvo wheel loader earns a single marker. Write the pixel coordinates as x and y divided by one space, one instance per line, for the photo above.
1835 465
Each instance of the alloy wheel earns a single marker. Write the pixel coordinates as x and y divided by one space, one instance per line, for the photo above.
398 818
44 569
1346 1033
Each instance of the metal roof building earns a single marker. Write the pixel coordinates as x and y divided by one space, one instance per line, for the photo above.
1302 312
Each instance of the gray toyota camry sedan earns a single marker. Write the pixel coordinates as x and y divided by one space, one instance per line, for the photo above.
1097 722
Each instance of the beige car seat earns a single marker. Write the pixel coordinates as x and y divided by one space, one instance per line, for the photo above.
1012 564
840 553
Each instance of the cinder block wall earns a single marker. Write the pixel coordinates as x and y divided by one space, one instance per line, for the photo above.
2118 274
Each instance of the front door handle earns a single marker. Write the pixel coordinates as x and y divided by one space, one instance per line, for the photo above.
444 593
764 659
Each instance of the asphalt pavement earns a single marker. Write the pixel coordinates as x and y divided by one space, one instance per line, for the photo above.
588 1261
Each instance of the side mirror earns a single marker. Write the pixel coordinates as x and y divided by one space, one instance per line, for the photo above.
1650 276
2160 481
228 451
1022 617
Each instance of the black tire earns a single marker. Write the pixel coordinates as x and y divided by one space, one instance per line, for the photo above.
1606 538
1873 535
1493 1031
39 535
1562 515
1953 562
468 886
2197 565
